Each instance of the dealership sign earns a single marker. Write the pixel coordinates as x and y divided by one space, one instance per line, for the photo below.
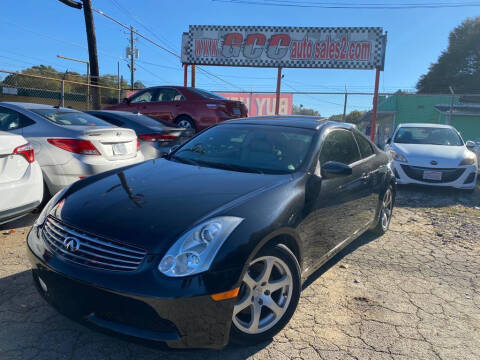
262 104
284 46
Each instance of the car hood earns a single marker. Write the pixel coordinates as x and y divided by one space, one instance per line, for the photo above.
151 204
423 155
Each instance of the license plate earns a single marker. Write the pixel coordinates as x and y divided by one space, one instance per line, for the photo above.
432 175
236 111
119 149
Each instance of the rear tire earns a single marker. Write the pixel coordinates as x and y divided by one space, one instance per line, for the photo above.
268 296
385 212
186 122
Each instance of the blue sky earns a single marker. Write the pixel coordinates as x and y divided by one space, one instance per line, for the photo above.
35 31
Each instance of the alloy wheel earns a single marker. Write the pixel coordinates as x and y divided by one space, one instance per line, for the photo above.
185 124
387 207
264 296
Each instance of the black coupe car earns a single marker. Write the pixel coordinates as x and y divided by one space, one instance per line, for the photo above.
213 242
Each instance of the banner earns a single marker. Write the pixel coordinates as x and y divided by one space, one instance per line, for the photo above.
262 104
284 46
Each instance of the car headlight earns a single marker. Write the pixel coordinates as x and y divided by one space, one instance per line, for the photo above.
398 157
469 159
194 251
49 206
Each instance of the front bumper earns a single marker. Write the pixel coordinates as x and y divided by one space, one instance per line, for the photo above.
141 304
414 176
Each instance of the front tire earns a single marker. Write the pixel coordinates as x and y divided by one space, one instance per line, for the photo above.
268 296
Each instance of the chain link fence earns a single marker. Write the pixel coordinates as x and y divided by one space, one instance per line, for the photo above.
69 91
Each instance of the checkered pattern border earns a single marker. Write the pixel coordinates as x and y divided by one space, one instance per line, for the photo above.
374 34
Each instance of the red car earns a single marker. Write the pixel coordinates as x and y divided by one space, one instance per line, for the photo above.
185 106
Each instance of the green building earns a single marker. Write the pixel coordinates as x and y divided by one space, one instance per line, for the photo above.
409 108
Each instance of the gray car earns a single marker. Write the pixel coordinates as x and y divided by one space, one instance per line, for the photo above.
69 144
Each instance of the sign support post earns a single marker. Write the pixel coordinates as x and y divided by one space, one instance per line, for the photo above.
185 75
279 82
192 80
375 104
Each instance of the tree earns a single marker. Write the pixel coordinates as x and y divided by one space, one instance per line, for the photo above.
353 117
300 110
139 85
459 65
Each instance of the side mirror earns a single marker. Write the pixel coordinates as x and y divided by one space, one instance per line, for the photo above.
335 169
470 144
126 100
389 140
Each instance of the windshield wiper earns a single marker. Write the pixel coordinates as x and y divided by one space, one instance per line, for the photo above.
232 167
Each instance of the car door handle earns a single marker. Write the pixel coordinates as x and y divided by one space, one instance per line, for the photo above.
365 177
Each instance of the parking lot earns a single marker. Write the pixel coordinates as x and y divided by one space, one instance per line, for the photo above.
413 293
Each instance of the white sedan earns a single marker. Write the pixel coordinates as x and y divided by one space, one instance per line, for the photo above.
21 184
432 154
69 144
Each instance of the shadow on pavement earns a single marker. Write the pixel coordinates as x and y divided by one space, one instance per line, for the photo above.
354 245
28 322
24 221
415 196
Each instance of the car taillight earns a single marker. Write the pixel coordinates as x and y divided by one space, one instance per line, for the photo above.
138 144
157 137
26 151
76 146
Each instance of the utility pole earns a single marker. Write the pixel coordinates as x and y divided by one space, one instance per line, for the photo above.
92 45
345 105
132 60
452 97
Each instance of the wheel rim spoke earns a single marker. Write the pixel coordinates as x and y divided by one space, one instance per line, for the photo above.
267 271
243 305
255 321
247 279
278 284
272 305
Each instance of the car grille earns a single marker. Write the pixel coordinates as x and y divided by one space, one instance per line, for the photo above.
416 173
92 251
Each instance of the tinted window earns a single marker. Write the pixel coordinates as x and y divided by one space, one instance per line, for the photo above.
110 119
144 96
148 121
269 149
11 120
69 117
169 94
339 146
366 148
428 136
207 94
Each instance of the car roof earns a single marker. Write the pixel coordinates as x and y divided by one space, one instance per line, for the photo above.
426 125
299 121
115 112
30 106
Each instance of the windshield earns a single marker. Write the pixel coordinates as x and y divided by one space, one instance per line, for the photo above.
68 117
428 136
207 94
254 148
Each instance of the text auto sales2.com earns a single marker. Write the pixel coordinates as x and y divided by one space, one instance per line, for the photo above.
280 45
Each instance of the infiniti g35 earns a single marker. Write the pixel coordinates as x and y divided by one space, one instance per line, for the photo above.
213 242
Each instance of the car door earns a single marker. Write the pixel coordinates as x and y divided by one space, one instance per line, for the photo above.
335 210
143 101
372 175
164 106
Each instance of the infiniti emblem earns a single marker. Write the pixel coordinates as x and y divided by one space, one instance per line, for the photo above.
433 162
71 244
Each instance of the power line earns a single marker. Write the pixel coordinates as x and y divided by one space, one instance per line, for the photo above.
160 46
365 6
